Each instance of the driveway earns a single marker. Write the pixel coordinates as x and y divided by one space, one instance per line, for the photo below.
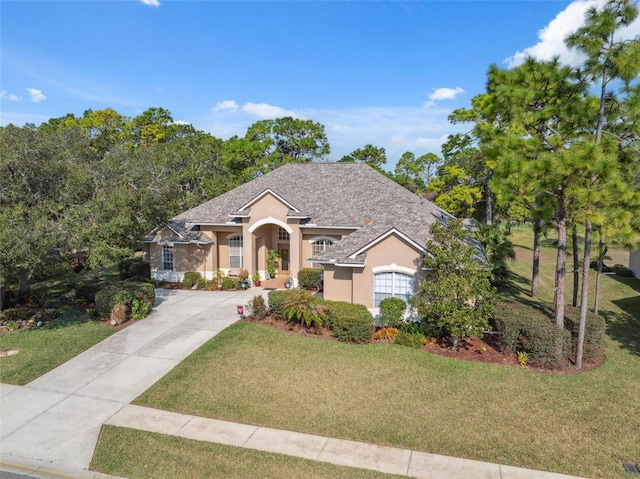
58 416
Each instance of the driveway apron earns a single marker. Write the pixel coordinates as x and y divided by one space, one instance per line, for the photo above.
58 416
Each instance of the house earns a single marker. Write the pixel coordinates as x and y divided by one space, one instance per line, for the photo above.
634 262
365 230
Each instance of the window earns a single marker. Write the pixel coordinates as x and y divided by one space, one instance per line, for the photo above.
235 252
392 285
167 258
283 234
318 247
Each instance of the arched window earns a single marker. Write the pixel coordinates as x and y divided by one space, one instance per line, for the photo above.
392 285
235 252
317 247
283 234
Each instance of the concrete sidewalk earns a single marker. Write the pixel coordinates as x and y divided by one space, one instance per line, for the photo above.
50 426
391 460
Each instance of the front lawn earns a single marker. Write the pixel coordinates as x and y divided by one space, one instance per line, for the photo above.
141 455
584 424
45 348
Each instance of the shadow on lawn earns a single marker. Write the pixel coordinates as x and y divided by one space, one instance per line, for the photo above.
624 328
516 286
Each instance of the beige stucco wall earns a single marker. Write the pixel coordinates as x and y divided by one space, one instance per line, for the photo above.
634 262
338 284
392 254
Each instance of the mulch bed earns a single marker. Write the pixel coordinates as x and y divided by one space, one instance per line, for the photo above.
483 350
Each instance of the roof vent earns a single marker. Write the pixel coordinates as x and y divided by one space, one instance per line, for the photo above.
367 221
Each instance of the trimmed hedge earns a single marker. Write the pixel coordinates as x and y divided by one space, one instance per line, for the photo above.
310 278
124 292
134 268
276 298
392 312
350 323
593 335
528 327
191 279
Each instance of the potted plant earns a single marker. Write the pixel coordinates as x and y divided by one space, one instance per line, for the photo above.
272 262
256 279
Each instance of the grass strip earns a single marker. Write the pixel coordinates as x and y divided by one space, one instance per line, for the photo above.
145 455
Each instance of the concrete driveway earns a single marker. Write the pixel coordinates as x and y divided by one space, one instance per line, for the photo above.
58 416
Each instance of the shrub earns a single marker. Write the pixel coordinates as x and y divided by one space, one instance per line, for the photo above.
201 283
124 292
528 327
134 268
88 289
276 298
243 275
229 283
310 278
593 335
191 279
140 310
119 313
302 307
386 333
392 312
350 323
411 334
624 272
257 307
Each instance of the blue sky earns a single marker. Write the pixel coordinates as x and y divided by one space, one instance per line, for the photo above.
381 72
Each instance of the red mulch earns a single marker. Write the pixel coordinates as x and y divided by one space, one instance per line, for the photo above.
483 350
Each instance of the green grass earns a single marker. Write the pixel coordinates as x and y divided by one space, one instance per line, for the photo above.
585 424
43 349
138 454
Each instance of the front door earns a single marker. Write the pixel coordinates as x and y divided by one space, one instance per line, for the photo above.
284 260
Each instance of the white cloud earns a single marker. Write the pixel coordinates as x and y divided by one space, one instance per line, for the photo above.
36 95
266 111
445 93
552 36
9 96
151 3
442 94
227 105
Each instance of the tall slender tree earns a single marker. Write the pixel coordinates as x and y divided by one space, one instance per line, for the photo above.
608 59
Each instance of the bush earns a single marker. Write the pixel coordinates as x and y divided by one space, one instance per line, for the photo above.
310 278
349 323
134 268
392 312
257 307
119 313
593 334
386 333
191 279
276 298
88 289
124 292
624 272
528 327
229 283
410 334
301 306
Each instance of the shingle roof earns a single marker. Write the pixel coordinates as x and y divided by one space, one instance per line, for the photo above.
331 194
